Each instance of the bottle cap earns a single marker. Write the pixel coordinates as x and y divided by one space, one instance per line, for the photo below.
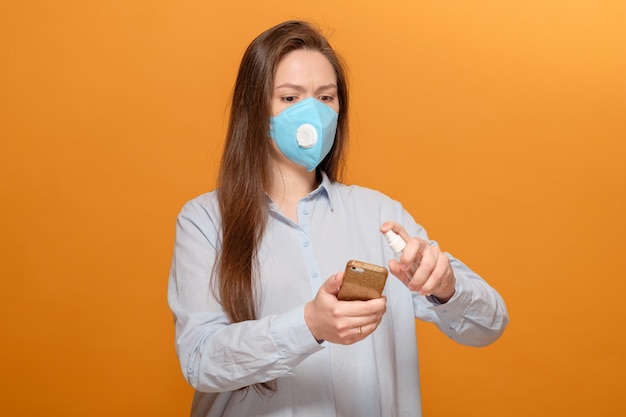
396 243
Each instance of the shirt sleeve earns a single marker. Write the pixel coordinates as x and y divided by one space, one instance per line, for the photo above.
216 355
476 315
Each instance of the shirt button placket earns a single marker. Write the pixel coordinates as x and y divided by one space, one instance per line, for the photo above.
307 248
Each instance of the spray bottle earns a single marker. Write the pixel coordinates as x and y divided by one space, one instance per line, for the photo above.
397 244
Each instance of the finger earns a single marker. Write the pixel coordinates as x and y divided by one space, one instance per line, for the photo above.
426 267
416 249
396 227
357 312
362 331
370 323
435 279
332 284
359 332
442 284
352 335
397 271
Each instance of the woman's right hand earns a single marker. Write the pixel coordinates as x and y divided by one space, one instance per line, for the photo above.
342 322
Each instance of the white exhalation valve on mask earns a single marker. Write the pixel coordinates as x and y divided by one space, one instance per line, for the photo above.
306 135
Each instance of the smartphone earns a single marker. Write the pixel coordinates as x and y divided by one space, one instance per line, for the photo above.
362 281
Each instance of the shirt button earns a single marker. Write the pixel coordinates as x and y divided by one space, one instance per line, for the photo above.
306 244
305 211
315 274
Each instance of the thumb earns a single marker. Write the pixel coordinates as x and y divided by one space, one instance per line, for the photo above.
332 284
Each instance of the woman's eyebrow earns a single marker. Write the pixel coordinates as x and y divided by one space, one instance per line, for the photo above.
326 87
290 85
331 86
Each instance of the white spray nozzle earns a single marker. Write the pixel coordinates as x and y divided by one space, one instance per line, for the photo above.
396 243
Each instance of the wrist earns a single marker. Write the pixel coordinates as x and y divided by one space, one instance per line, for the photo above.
309 319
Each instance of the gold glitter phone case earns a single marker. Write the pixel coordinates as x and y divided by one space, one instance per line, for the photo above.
362 281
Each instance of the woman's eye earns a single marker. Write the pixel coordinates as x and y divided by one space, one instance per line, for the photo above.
289 99
325 98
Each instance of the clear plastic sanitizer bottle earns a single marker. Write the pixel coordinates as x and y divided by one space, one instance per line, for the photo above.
397 245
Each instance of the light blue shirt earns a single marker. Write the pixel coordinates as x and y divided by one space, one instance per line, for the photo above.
376 377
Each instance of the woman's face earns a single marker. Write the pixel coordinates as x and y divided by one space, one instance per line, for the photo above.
302 74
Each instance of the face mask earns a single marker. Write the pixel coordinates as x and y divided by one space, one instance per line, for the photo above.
305 132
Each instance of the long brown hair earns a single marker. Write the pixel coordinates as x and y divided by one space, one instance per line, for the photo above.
245 171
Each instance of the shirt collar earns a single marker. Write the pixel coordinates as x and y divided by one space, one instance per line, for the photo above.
328 188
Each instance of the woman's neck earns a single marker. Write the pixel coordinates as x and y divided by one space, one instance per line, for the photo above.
289 186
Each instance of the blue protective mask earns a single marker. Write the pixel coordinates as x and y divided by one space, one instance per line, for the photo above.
305 132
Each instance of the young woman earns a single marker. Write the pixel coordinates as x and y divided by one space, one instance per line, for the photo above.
256 268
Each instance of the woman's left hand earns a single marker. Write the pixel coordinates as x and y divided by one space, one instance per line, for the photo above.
422 267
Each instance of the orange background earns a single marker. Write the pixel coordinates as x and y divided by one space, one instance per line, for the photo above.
500 125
